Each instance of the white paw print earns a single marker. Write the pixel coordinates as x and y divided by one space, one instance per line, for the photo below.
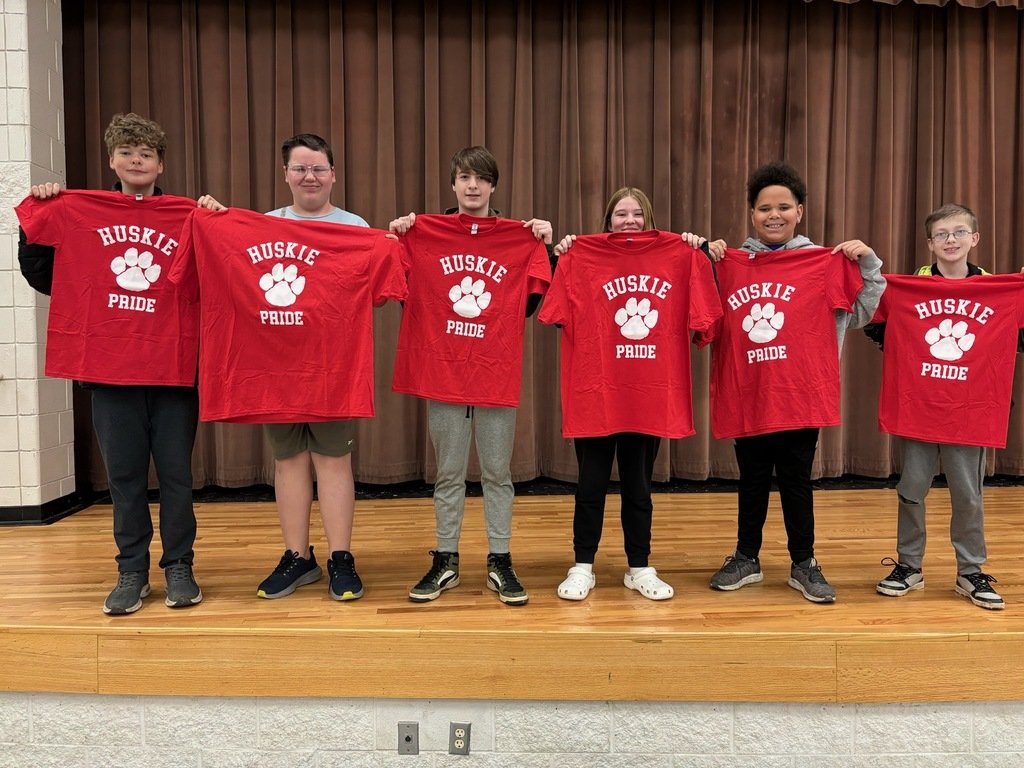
763 323
135 271
636 319
469 298
281 285
949 342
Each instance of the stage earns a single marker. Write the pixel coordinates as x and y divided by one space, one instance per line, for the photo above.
762 643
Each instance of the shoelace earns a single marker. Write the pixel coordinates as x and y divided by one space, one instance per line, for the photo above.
503 567
900 572
733 564
346 567
179 572
815 576
981 582
128 579
439 566
288 561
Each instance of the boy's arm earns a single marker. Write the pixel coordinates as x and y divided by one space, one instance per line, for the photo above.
36 263
35 260
871 272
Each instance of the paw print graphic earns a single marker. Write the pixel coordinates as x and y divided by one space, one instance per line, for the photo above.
949 342
469 298
135 271
281 285
636 319
763 323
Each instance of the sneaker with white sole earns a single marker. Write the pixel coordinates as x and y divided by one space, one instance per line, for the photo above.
126 597
977 587
806 577
737 571
182 589
502 578
902 580
443 574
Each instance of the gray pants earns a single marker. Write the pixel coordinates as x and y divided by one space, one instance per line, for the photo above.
450 427
964 466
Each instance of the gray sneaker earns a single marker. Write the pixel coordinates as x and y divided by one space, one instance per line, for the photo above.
182 590
977 587
902 580
808 579
737 571
127 596
443 574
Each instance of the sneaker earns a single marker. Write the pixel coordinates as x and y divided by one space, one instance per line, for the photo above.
182 590
501 578
903 579
291 573
345 582
977 587
127 596
443 574
737 571
808 578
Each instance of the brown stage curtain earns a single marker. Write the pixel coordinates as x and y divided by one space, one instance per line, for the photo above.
888 109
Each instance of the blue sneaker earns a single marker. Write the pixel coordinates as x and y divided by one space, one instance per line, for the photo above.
345 582
291 573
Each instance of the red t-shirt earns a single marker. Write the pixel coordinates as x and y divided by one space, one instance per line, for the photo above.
948 358
114 316
775 365
287 314
627 303
461 338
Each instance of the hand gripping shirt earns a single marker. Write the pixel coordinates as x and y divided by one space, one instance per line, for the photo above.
286 313
114 316
461 338
775 365
627 303
948 359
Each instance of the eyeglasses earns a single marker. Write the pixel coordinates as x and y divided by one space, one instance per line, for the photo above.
302 170
943 237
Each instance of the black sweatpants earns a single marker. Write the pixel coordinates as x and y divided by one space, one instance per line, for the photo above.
132 423
790 454
636 455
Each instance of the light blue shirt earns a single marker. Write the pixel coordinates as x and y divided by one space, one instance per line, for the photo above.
335 215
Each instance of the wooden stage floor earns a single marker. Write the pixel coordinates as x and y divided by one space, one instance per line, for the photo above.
761 643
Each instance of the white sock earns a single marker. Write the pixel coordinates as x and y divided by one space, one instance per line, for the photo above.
588 567
635 571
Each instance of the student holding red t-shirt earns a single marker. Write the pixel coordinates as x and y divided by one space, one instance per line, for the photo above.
473 278
773 388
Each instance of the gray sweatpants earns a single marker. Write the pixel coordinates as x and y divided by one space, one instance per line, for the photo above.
964 466
450 427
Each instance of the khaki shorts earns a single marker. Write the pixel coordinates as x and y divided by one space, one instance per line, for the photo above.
328 438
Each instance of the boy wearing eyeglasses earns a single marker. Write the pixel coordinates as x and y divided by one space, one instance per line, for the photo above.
326 446
949 322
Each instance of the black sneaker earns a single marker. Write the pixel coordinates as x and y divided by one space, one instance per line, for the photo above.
182 590
345 582
443 574
291 573
501 578
127 596
977 587
903 579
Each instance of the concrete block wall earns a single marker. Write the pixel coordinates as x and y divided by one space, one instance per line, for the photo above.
36 421
43 730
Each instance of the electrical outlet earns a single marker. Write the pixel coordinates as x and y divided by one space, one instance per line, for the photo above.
408 738
458 738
